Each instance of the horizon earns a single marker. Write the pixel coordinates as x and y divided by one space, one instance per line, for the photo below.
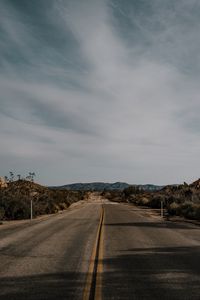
112 182
106 90
97 182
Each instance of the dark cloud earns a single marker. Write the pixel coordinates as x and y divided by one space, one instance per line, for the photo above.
100 90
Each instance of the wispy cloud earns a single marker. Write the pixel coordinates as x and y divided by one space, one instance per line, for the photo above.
100 90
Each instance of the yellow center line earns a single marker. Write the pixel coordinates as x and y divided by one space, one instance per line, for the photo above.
93 287
99 274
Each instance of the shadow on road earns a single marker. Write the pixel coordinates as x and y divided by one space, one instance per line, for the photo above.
139 273
59 286
166 224
153 273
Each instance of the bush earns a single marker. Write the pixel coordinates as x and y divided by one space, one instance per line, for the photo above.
145 201
187 210
15 200
131 190
2 213
155 202
173 208
197 212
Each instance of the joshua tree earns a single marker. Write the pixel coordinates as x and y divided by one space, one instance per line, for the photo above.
6 178
28 177
31 176
12 176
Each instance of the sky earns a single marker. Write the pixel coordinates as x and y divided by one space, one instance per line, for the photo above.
100 90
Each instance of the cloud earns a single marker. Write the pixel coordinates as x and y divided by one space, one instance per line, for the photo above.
112 99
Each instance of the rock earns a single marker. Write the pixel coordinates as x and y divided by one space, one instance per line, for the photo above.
3 183
196 184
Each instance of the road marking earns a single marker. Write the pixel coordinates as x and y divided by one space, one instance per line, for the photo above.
93 287
99 273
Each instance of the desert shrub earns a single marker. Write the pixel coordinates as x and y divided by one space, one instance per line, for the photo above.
155 201
169 200
131 190
186 210
173 208
15 208
15 200
2 213
115 195
132 199
188 193
63 206
197 212
145 201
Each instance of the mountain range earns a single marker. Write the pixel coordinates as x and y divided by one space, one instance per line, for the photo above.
100 186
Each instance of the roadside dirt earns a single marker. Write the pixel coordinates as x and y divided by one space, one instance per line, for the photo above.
92 198
156 214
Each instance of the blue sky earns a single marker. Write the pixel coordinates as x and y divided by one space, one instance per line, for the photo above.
100 90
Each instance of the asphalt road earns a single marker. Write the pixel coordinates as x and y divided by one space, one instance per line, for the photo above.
48 259
144 257
148 258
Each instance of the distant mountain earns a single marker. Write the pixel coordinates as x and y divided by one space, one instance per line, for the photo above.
100 186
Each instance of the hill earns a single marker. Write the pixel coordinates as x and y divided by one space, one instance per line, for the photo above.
15 199
103 186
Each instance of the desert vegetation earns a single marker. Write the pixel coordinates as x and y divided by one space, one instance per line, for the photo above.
15 199
178 200
12 177
16 193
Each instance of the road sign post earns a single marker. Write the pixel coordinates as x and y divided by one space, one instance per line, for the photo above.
161 209
31 208
33 196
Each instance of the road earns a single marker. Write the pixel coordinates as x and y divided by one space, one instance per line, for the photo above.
148 258
143 256
48 259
